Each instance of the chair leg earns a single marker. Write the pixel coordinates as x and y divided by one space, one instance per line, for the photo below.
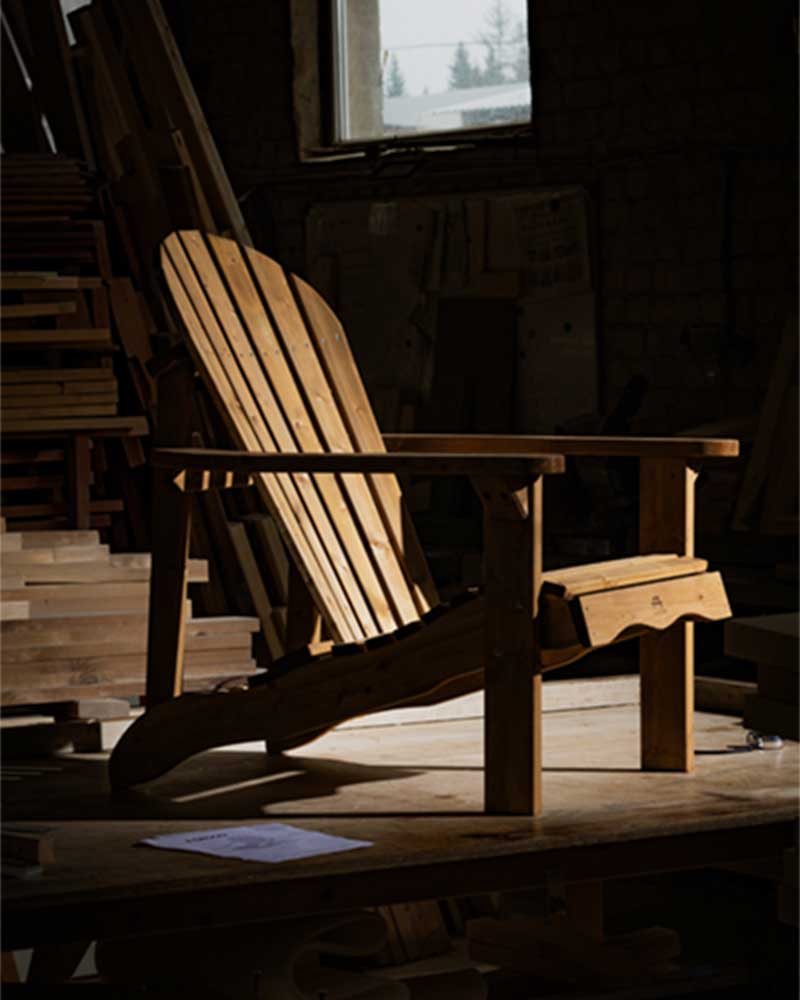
172 516
513 702
666 659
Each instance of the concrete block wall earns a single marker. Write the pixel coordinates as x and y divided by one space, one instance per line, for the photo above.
680 119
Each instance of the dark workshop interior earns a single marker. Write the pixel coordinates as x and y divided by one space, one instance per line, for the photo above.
399 485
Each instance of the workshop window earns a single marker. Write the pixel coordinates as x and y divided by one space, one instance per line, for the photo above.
403 68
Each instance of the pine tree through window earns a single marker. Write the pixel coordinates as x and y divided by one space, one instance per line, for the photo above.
408 67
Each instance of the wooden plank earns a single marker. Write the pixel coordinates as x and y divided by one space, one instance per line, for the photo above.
573 581
37 309
95 426
255 585
171 537
513 701
275 555
205 219
57 338
129 319
764 639
97 572
666 660
565 444
241 412
68 592
607 614
10 392
319 521
35 845
57 539
427 463
36 375
166 84
45 412
14 610
238 645
387 593
127 627
715 694
353 402
43 556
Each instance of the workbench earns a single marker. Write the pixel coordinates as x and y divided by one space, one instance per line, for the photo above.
414 791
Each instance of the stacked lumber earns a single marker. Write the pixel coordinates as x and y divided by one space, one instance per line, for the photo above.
34 393
121 101
46 198
771 642
74 622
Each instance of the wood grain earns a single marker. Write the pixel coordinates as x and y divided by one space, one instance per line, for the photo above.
666 659
564 444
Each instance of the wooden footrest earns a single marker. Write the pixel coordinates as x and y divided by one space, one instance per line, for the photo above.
583 607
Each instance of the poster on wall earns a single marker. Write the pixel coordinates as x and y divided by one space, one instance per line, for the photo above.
549 244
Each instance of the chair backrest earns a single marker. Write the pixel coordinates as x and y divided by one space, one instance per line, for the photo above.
277 361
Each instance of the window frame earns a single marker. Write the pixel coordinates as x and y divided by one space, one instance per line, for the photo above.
313 29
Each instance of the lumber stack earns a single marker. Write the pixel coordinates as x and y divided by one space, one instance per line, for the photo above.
36 393
771 642
74 622
120 105
47 198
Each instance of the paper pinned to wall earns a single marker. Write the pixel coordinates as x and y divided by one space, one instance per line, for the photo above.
265 842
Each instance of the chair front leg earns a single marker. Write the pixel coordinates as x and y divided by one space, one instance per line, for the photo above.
666 659
513 697
172 518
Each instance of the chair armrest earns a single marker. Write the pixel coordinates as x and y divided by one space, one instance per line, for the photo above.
430 463
523 444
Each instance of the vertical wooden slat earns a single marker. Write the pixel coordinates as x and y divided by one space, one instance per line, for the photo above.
168 86
171 533
343 376
258 592
513 698
302 618
666 659
247 426
244 369
298 421
332 433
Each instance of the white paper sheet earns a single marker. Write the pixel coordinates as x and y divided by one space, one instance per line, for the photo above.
270 842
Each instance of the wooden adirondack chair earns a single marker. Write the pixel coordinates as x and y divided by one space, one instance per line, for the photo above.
277 361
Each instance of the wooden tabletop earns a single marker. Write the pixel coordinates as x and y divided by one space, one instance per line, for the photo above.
414 791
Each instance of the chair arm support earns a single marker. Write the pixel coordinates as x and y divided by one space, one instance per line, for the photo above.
522 444
430 463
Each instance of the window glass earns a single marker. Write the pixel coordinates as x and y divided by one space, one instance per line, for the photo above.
406 67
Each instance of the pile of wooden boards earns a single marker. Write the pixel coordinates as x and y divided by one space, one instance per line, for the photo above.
59 395
771 642
33 393
119 99
148 131
74 622
46 198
